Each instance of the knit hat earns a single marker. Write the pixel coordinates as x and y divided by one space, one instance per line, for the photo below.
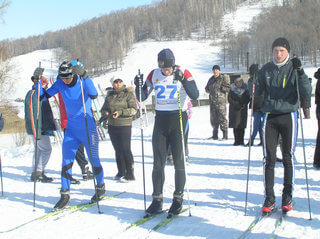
216 67
281 41
166 58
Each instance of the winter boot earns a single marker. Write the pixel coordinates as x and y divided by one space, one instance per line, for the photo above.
225 134
129 175
46 179
64 200
36 176
176 205
268 205
87 174
287 198
99 195
156 206
118 176
215 135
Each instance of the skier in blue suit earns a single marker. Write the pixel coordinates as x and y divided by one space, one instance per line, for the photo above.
71 80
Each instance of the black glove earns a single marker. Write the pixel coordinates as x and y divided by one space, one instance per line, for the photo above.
253 70
296 64
79 70
37 74
138 80
103 118
317 74
178 75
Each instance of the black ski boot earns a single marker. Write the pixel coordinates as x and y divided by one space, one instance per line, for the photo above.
46 179
64 200
129 175
87 174
155 207
176 206
99 195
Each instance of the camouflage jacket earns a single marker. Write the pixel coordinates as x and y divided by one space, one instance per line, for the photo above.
218 88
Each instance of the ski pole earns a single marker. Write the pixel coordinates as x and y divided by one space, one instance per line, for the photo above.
303 147
2 195
142 144
250 142
89 145
183 149
36 142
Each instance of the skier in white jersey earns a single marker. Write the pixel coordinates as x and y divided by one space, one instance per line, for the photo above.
169 81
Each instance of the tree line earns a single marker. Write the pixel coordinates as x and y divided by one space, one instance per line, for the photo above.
298 21
101 43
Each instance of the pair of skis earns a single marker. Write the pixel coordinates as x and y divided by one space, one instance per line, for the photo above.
165 221
60 213
261 217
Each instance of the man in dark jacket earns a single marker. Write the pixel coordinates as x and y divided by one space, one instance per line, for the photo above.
218 86
279 81
46 126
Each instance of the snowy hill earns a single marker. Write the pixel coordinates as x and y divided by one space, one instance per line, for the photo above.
217 172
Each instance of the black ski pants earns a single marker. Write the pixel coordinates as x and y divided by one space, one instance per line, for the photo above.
286 126
167 131
316 158
121 140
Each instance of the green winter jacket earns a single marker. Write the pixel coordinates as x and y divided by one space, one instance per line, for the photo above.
279 88
123 101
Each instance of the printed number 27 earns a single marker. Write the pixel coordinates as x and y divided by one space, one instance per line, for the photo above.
161 91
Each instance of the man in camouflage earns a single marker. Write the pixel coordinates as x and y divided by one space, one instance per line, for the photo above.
218 86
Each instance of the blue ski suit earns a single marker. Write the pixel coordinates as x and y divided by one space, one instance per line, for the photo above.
75 132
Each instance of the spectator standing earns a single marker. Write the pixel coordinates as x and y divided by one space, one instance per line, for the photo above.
218 86
238 98
118 109
46 126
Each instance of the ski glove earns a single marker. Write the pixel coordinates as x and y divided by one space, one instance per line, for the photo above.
138 80
178 75
80 71
296 64
253 70
37 74
317 74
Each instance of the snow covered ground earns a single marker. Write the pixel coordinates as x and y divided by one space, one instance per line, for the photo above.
217 172
216 181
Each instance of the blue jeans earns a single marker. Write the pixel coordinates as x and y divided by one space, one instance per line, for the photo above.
257 125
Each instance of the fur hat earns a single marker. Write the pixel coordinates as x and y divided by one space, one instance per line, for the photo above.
281 41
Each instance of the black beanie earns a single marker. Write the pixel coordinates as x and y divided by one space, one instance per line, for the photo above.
216 67
166 58
281 41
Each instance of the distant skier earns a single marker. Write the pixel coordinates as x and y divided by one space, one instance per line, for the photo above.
167 81
69 85
278 80
46 126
